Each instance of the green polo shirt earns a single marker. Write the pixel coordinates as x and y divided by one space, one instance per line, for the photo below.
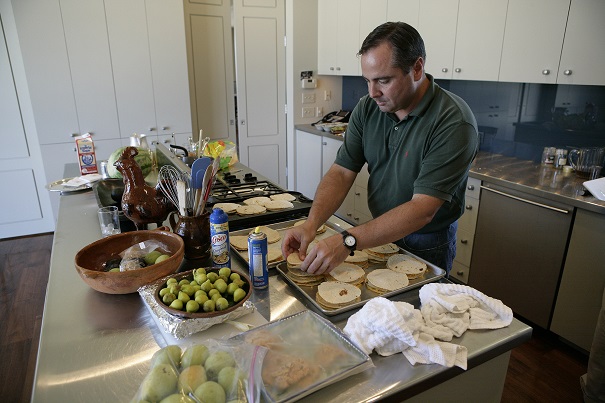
428 152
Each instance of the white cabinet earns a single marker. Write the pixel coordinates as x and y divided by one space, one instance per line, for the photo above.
532 40
308 163
403 10
463 39
583 55
466 232
338 37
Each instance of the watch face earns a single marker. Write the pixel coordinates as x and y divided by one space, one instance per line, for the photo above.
350 240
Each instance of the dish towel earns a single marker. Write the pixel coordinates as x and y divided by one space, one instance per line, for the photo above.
451 309
392 327
83 180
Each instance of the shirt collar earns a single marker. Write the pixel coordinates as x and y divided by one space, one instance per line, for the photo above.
423 104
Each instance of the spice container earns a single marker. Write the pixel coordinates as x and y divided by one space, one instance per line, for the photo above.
560 158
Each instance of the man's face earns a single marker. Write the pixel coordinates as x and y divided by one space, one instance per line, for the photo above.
392 89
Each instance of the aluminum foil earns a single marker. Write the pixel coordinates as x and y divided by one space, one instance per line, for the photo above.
180 328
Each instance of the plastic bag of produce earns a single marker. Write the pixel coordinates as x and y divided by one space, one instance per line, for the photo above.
225 150
216 371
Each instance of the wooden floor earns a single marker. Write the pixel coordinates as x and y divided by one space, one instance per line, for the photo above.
541 370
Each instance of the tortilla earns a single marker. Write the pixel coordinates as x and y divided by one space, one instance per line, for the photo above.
283 196
272 235
322 228
335 294
277 205
260 201
383 252
251 209
347 273
227 207
239 242
359 258
384 280
406 264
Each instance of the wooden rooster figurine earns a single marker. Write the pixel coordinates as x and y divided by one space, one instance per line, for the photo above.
141 203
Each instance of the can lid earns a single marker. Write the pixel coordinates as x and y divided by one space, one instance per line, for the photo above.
256 230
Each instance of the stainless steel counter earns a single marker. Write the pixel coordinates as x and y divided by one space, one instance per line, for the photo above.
97 348
522 175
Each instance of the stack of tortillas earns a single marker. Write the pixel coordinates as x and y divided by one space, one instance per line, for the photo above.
257 201
359 258
322 228
277 205
272 235
384 280
334 294
227 207
301 277
283 196
347 273
251 209
407 265
382 253
239 242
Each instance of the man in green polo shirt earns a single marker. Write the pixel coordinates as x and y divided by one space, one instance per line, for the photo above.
418 141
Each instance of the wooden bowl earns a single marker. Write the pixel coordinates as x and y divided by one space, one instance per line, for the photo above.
196 315
90 259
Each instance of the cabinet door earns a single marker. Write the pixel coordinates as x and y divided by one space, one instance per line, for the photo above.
372 14
168 52
348 37
479 35
533 39
437 26
129 44
583 56
90 65
404 10
329 150
308 163
327 34
42 41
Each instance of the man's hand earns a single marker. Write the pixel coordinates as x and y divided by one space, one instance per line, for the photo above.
297 239
325 256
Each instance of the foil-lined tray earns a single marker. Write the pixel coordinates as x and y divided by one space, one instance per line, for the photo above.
179 327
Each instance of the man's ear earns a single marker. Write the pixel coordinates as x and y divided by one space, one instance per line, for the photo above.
418 68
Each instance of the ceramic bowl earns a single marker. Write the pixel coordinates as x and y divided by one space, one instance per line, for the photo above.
89 261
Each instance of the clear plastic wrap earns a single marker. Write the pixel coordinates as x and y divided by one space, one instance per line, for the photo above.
135 257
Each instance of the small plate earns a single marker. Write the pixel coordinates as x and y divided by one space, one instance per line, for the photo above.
197 315
59 186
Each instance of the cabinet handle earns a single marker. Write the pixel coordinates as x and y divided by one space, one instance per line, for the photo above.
464 241
75 134
165 127
332 68
469 207
356 218
243 122
337 68
324 143
152 129
457 69
357 194
444 69
349 215
525 200
460 272
545 72
231 122
567 72
471 187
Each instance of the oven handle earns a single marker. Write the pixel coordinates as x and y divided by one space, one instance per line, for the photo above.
525 200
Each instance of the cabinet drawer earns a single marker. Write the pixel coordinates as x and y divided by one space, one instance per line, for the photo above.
473 187
361 201
459 272
468 221
464 247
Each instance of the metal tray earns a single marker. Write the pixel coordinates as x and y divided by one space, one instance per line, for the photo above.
302 334
331 229
432 274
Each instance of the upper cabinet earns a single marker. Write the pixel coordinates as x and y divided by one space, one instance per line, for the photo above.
463 39
533 39
338 37
583 55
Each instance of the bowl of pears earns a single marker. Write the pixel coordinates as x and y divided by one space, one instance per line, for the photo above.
203 292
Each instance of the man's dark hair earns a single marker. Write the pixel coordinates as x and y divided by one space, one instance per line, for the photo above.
406 42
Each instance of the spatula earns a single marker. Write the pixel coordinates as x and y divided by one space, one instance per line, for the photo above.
197 171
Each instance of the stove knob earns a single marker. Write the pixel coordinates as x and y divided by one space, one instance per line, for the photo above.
250 178
248 175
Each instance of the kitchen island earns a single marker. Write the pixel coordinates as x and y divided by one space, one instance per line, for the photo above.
96 347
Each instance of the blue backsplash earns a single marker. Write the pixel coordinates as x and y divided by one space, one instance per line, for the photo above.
519 120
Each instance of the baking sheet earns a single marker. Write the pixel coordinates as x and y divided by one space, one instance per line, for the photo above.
331 229
433 273
302 335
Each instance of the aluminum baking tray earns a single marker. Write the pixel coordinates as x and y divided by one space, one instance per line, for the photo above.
332 227
304 335
432 274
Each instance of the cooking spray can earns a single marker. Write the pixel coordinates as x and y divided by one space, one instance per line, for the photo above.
219 236
257 256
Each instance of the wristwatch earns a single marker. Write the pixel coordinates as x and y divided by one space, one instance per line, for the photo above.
349 241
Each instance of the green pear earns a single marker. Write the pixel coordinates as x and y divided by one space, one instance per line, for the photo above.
217 361
194 355
167 355
161 381
210 392
228 378
191 377
177 398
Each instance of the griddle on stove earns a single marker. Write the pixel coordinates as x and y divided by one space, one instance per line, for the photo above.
238 183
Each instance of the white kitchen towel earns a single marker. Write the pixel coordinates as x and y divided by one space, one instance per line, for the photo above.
392 327
453 308
83 180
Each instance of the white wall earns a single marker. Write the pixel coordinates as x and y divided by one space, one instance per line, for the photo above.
301 55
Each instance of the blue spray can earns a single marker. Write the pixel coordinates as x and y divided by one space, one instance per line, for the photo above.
257 256
219 238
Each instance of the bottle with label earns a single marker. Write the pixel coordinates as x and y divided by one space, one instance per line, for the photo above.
219 238
257 256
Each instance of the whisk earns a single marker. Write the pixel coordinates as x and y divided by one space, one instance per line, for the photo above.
168 179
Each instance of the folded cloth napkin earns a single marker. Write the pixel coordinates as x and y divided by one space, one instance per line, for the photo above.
451 309
83 180
392 327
